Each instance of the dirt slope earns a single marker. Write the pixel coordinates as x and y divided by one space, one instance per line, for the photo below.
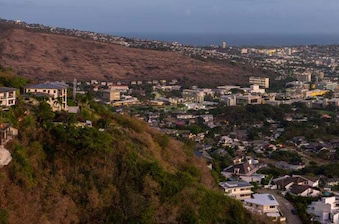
50 56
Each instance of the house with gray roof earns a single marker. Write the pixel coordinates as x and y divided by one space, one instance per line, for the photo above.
54 92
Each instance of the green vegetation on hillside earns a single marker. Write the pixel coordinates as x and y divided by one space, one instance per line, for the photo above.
287 156
9 79
118 171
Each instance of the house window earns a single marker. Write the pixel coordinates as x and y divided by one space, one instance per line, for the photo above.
272 206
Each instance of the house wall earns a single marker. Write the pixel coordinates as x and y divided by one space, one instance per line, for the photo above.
240 193
263 209
8 99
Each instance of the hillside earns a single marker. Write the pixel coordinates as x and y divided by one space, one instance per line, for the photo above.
127 174
46 56
118 171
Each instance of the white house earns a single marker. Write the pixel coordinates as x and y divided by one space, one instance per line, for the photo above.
265 204
237 189
7 96
325 211
55 92
298 185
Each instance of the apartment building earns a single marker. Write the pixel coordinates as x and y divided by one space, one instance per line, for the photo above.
110 95
240 190
260 81
55 93
7 97
325 211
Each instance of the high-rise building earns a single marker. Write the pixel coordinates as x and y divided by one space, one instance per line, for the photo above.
260 81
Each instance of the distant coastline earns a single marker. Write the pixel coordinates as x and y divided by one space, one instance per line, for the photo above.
240 39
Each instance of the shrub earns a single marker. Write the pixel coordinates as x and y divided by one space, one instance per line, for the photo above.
3 216
162 140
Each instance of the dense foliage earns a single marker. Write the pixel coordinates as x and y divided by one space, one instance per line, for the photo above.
9 79
287 156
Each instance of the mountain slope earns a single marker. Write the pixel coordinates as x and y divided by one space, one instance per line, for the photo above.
54 57
118 171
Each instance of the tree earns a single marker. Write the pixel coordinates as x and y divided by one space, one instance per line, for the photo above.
44 112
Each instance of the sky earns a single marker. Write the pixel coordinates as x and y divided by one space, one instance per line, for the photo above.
180 16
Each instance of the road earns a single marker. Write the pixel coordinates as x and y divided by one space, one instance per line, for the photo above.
285 206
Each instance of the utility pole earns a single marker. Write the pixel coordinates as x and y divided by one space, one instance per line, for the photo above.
74 89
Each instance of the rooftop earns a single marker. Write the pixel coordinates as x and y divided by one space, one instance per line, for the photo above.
6 89
298 189
263 199
233 184
48 85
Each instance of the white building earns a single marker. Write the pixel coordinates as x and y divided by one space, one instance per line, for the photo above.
55 92
110 95
261 81
326 210
256 89
249 99
265 204
240 190
7 97
230 100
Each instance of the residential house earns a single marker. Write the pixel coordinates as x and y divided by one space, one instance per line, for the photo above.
7 96
237 189
304 191
286 181
54 92
7 132
325 211
265 204
298 185
245 171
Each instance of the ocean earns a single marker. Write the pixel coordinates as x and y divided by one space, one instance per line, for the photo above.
240 39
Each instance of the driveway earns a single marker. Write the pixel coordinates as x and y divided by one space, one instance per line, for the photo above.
285 206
